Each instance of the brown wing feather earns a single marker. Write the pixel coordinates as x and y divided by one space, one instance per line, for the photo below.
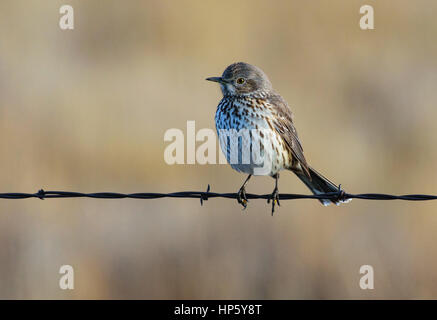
283 124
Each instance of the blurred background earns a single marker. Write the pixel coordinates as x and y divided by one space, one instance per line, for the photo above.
86 110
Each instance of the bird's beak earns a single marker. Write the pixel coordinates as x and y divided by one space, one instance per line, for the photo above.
216 79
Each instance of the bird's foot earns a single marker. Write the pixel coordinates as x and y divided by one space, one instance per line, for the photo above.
275 199
241 197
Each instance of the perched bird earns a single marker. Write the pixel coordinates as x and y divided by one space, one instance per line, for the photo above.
250 104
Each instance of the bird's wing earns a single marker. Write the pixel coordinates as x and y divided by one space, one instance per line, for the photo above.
283 124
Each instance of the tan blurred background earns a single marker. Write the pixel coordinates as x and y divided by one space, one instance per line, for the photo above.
86 110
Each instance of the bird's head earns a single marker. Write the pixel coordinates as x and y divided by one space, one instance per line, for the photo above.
242 79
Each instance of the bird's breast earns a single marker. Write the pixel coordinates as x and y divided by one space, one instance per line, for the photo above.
243 113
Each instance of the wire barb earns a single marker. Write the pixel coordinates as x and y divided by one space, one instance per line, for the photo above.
41 194
341 195
204 195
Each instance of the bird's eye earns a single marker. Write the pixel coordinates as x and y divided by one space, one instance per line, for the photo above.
240 80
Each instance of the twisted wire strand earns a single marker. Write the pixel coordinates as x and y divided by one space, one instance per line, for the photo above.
205 195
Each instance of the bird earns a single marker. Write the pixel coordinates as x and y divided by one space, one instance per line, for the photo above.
251 105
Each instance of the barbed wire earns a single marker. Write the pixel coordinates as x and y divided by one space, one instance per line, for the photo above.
203 196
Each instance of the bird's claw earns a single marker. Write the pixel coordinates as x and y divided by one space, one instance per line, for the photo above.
275 199
241 197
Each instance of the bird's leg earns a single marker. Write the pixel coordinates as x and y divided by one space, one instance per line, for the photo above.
275 194
241 195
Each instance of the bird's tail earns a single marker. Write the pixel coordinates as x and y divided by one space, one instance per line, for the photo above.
319 184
